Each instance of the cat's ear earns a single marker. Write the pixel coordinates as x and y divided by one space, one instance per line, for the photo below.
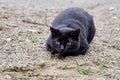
75 33
54 32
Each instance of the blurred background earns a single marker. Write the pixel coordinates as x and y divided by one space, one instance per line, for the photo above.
56 4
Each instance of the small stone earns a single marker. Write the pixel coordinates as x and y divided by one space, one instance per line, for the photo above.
8 39
27 40
114 18
111 8
32 30
118 29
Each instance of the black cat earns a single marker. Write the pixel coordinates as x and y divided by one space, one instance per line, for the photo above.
71 33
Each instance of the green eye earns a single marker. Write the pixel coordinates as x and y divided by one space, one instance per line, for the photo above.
57 42
69 43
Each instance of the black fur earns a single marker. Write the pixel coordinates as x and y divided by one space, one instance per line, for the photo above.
71 33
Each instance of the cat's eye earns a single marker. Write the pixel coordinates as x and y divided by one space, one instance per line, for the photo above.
69 43
57 42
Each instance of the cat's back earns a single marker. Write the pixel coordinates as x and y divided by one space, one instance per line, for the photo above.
71 13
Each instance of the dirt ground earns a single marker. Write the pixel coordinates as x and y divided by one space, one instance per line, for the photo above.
23 55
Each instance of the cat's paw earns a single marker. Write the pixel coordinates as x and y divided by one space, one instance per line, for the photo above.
83 52
59 56
52 55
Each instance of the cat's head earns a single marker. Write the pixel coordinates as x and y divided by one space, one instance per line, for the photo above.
65 40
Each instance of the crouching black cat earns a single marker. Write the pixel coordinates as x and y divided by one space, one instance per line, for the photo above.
71 33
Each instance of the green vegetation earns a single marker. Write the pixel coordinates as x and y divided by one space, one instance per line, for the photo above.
58 11
83 71
34 40
55 59
102 67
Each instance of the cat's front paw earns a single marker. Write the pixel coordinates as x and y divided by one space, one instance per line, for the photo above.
59 56
83 52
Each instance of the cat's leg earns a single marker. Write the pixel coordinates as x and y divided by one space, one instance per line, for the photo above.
83 50
84 47
49 48
53 52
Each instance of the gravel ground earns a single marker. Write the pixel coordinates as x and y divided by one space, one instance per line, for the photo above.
23 56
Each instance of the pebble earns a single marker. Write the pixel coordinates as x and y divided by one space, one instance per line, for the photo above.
111 8
8 39
32 30
114 18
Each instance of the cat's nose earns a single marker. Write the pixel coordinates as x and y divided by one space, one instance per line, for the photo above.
62 48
